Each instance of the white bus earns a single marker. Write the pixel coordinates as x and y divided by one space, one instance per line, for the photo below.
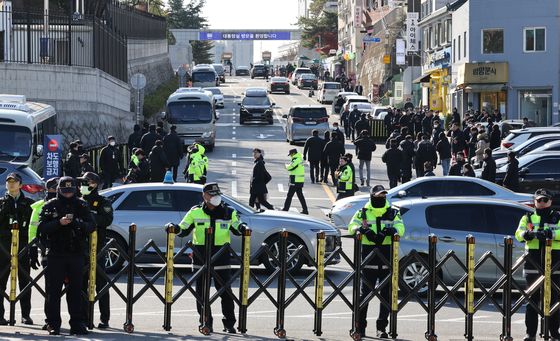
23 126
204 77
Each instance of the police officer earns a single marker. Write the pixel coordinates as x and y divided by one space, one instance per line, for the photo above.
51 186
297 177
377 221
15 207
102 211
195 170
213 212
66 221
345 179
534 228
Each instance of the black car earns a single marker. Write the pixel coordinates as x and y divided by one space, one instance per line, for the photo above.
537 170
279 84
221 71
259 70
256 106
242 71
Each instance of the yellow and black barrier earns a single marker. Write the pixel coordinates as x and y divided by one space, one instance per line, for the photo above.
469 288
169 268
14 252
92 272
377 130
319 283
547 288
245 276
394 285
128 325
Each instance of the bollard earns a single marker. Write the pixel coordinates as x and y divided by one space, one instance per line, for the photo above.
279 331
92 276
354 332
547 289
469 288
394 285
244 288
432 285
208 243
169 278
506 294
128 325
14 271
319 283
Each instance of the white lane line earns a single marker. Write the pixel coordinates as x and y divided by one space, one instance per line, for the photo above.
325 211
233 138
233 133
293 209
233 155
281 188
283 198
234 127
234 164
233 172
234 188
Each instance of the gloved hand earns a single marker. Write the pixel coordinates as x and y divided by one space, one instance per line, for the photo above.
370 235
33 257
390 231
172 228
379 237
242 228
548 234
528 235
540 235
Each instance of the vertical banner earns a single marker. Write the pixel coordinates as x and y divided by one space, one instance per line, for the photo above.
53 157
357 16
401 52
412 31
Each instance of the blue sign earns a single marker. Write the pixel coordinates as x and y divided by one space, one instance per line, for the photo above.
368 39
53 157
244 35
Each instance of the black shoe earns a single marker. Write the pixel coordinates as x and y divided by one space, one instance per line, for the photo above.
382 334
285 210
3 322
27 320
81 330
45 327
55 331
528 337
230 330
304 212
362 183
103 325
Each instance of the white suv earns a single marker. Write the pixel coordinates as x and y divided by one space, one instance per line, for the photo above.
327 92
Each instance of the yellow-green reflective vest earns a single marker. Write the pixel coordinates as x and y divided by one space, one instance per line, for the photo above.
201 221
389 217
296 169
533 222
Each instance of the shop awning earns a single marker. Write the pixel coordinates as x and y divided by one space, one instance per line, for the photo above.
493 87
422 79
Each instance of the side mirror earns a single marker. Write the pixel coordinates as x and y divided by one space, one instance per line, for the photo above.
217 115
284 116
39 150
239 103
401 194
524 171
273 105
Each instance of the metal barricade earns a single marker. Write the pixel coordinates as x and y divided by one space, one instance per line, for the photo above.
378 131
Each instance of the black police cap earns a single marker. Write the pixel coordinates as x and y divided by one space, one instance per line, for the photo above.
90 176
67 184
212 188
14 176
52 183
543 193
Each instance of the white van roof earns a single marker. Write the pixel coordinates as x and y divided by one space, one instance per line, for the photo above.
16 109
189 96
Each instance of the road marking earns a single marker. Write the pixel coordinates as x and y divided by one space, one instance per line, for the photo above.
234 155
325 211
234 188
233 138
330 194
293 209
233 133
234 164
233 172
281 188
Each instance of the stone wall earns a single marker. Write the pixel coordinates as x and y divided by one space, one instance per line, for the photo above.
90 104
151 58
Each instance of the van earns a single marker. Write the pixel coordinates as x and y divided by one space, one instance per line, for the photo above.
204 77
194 116
327 92
298 72
219 68
303 119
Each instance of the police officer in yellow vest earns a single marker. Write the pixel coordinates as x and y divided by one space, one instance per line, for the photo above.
213 212
534 228
377 221
345 177
297 176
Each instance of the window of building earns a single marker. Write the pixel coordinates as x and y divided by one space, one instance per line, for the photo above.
465 44
454 53
459 48
448 30
535 39
431 37
536 104
439 33
493 41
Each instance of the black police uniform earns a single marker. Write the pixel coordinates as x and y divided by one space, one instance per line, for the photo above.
102 211
65 248
15 210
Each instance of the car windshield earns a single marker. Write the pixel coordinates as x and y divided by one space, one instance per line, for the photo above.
218 68
362 106
308 76
331 86
310 112
15 143
203 76
301 71
279 80
256 101
183 112
215 91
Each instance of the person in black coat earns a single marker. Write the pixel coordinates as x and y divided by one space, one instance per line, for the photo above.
72 166
425 152
333 150
158 162
457 139
259 180
472 142
488 166
444 152
427 122
85 164
456 117
339 134
495 137
134 138
407 149
173 148
365 146
468 170
436 131
388 120
361 125
160 130
110 163
511 179
417 122
393 158
140 172
353 118
312 152
149 139
324 161
428 169
457 168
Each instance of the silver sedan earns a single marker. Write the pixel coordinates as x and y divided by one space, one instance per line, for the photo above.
150 206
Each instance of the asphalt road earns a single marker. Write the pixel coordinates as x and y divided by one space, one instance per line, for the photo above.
231 166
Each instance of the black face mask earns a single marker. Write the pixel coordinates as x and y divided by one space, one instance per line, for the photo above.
51 195
377 202
544 212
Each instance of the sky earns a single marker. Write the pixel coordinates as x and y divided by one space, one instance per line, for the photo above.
253 14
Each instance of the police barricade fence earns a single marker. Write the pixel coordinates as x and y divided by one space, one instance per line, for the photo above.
462 292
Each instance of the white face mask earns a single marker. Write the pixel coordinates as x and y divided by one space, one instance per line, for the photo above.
85 190
112 143
215 200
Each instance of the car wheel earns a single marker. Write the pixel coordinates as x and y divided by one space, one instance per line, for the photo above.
294 243
114 260
271 122
287 92
412 274
210 147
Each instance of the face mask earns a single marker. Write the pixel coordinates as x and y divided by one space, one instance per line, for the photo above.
51 195
215 200
86 190
112 143
377 202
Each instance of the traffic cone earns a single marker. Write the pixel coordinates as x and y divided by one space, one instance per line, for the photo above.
168 179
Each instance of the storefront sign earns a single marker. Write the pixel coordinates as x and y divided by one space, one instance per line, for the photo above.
244 35
53 157
357 16
411 31
482 73
401 52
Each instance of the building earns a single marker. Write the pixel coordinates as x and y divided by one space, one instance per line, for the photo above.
242 51
303 8
508 61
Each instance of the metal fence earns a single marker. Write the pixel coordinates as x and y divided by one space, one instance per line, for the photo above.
134 23
60 39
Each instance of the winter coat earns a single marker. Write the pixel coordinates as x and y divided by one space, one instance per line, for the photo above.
334 150
457 168
407 150
109 161
489 170
362 124
444 149
425 152
260 177
313 148
393 158
148 141
481 145
72 166
173 148
158 164
365 146
495 139
458 143
511 179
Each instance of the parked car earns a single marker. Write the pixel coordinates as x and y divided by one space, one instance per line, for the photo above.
298 72
548 147
379 112
364 108
537 170
152 205
518 136
218 96
258 70
309 81
303 119
221 71
256 106
428 187
351 100
279 84
33 186
451 220
327 92
242 71
335 108
527 146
